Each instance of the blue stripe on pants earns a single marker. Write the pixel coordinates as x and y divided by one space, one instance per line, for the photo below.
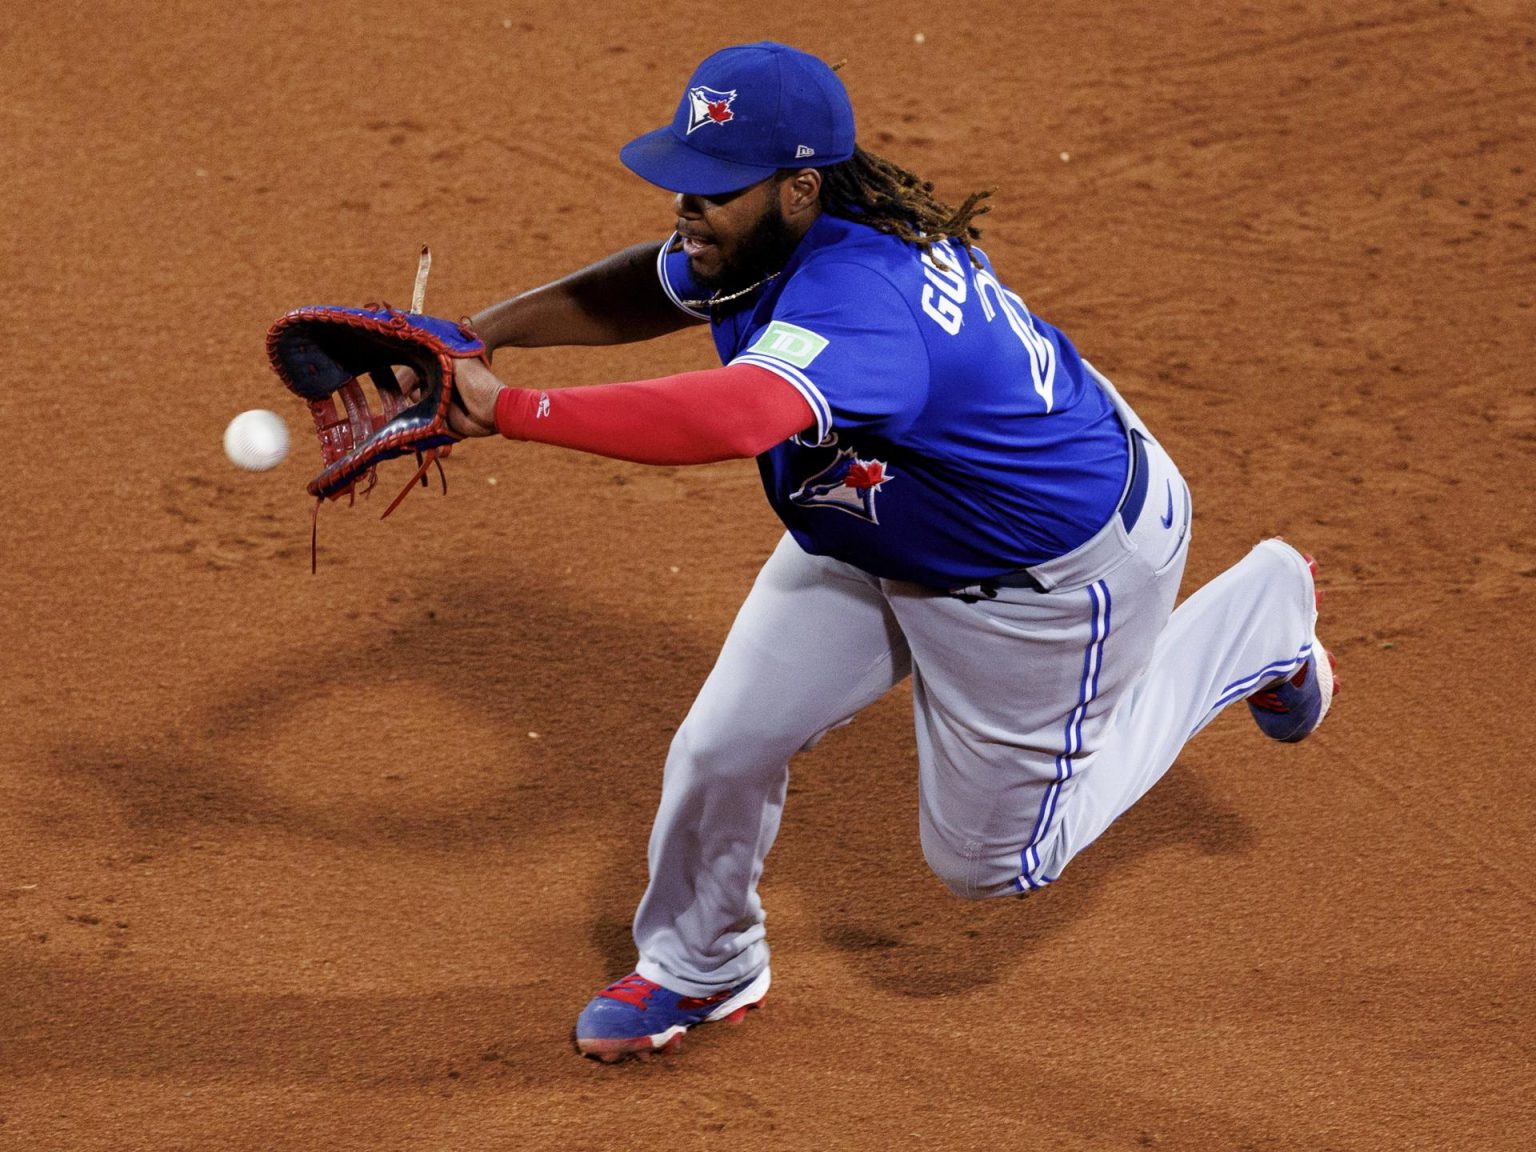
1072 737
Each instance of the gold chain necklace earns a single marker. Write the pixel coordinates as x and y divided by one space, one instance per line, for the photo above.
713 300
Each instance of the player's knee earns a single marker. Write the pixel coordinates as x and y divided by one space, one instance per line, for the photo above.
958 869
961 887
707 750
694 746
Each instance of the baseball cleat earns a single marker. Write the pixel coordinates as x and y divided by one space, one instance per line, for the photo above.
1290 709
636 1016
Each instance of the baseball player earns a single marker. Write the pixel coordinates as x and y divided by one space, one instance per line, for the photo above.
967 503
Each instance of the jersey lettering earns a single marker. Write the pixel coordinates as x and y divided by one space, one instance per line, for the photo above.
942 310
1042 356
945 289
943 298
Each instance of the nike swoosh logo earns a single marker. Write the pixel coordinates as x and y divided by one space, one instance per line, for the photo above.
1168 516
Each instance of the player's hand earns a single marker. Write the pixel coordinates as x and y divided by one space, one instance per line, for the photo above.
409 382
472 411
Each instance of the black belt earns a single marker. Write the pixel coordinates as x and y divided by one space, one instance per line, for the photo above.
1129 511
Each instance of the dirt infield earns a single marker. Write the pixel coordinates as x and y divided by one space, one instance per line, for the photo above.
332 862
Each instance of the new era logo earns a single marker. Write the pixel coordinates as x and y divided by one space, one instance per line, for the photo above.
804 150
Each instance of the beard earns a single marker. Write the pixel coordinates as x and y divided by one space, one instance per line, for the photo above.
762 252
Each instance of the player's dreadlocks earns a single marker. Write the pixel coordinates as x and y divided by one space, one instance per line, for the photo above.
874 191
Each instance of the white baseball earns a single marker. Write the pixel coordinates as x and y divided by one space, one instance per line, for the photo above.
256 440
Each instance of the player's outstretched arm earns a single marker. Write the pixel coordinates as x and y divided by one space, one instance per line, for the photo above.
615 301
726 413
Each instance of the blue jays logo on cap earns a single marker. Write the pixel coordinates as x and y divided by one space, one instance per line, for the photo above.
707 106
783 108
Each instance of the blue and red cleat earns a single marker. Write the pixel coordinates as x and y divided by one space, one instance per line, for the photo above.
635 1015
1291 709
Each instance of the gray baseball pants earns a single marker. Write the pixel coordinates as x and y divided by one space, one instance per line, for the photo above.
1040 716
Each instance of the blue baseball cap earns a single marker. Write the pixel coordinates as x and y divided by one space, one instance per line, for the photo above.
748 111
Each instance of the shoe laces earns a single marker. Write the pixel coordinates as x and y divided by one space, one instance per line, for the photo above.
633 989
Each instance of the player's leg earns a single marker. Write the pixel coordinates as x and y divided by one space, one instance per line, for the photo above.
1009 695
1251 624
813 643
1042 716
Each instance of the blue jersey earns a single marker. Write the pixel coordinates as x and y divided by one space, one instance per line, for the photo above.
957 437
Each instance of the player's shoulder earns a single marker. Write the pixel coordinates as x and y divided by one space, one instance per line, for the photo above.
846 258
837 239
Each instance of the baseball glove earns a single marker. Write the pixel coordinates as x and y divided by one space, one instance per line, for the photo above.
322 354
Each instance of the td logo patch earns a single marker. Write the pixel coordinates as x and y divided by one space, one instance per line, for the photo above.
708 106
790 343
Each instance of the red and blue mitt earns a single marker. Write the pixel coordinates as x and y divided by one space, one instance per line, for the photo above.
323 353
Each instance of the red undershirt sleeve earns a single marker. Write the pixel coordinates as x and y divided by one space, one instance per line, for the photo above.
693 418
